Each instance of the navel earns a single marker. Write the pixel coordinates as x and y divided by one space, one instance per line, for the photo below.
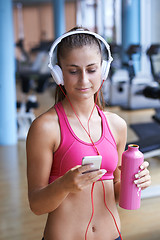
93 229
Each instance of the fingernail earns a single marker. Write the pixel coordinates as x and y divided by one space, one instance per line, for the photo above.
136 176
136 181
138 185
142 167
103 171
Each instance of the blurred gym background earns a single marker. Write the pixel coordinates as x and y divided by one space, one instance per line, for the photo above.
27 31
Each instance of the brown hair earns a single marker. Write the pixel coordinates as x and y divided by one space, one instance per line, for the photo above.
69 43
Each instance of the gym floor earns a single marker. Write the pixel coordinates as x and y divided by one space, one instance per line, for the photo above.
17 222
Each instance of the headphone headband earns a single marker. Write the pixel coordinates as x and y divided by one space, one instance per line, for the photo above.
56 71
58 40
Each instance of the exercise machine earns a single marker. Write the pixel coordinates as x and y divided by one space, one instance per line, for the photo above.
126 87
137 83
115 88
150 145
154 92
34 78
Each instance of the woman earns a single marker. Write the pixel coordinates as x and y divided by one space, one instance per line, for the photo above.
58 140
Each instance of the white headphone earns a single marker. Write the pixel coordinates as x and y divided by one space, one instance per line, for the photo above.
56 71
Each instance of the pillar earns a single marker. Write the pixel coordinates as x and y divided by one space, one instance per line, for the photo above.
130 24
59 17
8 130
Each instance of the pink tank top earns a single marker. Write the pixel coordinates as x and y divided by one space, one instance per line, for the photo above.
72 149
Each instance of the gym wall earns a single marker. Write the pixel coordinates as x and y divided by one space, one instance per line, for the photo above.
38 22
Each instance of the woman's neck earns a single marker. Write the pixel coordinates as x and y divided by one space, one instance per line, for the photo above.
81 108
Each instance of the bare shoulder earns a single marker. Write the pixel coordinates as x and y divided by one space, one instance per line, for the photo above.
115 120
44 129
117 125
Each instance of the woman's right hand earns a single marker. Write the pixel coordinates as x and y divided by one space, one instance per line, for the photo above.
78 177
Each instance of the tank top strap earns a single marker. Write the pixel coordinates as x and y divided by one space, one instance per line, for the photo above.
106 129
62 119
59 109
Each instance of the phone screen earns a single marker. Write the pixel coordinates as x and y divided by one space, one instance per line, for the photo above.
95 160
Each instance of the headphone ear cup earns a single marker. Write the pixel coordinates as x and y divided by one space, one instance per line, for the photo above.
105 69
57 74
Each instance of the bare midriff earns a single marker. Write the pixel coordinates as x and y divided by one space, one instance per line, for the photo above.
69 221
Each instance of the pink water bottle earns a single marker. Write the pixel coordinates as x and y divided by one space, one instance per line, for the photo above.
130 194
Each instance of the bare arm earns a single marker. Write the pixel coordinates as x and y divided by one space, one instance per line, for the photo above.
121 143
119 130
40 146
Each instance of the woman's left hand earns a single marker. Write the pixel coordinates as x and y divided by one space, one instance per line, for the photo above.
143 178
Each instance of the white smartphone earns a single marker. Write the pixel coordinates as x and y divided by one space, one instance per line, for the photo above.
95 160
